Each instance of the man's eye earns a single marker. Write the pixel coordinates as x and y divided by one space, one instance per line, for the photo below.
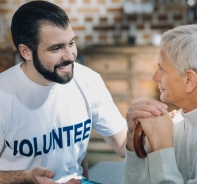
55 49
72 43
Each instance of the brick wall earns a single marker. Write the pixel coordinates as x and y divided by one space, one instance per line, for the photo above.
104 22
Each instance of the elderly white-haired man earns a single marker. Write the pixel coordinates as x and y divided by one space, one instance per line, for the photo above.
172 157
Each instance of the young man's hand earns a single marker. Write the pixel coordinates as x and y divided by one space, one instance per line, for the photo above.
40 175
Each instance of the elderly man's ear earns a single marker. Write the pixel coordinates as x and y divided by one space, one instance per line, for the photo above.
191 80
25 52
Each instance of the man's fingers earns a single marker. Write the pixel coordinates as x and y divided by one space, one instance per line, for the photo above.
144 111
48 173
41 171
159 107
131 116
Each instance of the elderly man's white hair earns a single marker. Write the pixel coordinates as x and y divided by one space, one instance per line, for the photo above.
180 45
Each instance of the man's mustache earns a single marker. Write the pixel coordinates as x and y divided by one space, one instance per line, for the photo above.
62 64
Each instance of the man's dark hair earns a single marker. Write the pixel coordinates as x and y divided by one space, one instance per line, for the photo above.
30 17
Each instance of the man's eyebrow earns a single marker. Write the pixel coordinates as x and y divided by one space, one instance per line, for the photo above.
55 45
59 44
73 38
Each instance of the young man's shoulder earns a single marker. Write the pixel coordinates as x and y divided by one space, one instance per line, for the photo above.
81 71
8 74
86 77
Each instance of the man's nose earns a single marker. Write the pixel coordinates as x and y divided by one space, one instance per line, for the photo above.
68 55
157 76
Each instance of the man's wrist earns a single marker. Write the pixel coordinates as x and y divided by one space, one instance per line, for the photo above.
28 176
156 146
129 143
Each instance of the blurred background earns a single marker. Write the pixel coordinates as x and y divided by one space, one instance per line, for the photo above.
117 38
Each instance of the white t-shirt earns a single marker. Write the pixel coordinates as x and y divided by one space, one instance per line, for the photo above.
50 126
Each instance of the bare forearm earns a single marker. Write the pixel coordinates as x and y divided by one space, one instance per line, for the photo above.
117 142
129 143
14 177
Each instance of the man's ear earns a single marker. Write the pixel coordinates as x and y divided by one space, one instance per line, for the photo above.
25 52
191 80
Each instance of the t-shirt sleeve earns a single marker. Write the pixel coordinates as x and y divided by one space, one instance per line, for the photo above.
107 119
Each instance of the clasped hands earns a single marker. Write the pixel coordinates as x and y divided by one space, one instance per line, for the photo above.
155 121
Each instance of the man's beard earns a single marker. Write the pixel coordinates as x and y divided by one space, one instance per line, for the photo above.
53 76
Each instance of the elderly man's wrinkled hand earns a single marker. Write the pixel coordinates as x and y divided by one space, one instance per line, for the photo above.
158 130
142 109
